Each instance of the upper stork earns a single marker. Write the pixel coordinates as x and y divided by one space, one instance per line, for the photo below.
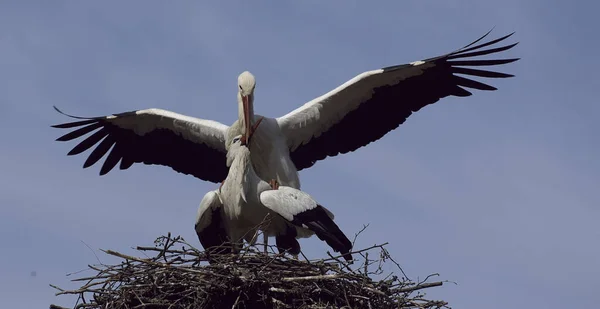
360 111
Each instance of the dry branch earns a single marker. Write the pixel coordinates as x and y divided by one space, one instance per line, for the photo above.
178 276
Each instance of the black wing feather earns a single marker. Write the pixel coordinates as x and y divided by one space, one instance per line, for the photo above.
322 225
465 82
481 73
214 237
69 125
79 132
99 151
113 158
88 142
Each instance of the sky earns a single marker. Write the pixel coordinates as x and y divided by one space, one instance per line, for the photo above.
497 192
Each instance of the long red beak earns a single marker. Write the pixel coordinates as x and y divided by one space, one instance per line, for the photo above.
247 119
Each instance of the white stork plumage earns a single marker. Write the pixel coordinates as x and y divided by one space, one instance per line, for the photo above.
359 112
235 211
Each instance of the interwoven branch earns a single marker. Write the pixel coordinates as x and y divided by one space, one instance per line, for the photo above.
178 276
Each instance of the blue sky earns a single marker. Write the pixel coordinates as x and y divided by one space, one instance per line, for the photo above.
498 191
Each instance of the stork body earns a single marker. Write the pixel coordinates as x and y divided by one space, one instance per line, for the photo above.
248 201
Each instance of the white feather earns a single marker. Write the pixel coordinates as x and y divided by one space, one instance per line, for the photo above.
210 201
209 132
287 201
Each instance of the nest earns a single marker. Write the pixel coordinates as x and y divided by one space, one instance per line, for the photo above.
178 276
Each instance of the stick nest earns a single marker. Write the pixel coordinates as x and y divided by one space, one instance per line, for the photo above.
178 276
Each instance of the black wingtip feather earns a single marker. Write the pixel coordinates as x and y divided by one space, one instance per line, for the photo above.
479 73
465 82
88 142
79 132
482 52
73 116
72 124
482 62
126 163
113 158
99 151
479 39
465 49
461 92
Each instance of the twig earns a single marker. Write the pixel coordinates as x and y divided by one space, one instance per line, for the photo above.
420 287
322 277
358 251
365 226
236 300
97 258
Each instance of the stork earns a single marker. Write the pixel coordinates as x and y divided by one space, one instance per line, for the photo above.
238 209
360 111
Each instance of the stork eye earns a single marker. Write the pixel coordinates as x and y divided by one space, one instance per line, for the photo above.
236 139
240 87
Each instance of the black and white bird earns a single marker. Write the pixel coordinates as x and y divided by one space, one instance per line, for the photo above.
239 208
358 112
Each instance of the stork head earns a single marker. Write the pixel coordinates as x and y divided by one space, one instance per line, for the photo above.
246 84
239 141
238 149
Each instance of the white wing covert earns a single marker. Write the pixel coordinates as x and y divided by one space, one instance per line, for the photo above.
210 225
287 201
209 204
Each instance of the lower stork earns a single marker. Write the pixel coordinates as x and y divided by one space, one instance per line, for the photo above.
238 210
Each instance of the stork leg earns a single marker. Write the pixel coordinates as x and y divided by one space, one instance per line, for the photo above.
274 184
265 242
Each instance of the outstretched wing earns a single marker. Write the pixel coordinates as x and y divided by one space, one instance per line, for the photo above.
376 102
152 136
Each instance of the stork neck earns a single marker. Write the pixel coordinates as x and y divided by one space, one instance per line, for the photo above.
241 177
241 166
